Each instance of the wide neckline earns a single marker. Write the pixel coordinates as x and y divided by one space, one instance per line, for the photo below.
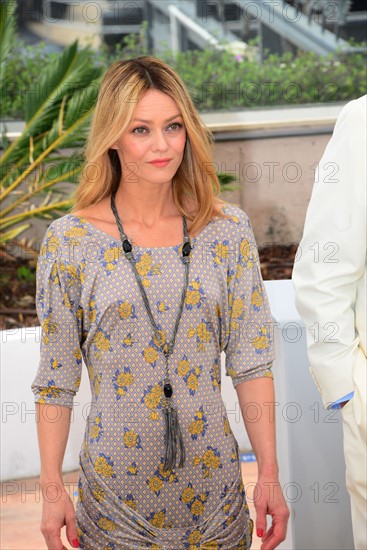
98 230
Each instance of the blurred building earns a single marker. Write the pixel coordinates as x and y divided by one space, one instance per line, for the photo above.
281 25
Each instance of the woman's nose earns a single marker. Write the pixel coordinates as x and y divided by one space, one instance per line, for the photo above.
160 141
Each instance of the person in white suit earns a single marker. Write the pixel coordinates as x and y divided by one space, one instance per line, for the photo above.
329 278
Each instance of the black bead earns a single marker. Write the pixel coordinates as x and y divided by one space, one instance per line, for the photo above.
167 388
127 246
186 249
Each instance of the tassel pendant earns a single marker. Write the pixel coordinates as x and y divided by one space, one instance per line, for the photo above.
172 437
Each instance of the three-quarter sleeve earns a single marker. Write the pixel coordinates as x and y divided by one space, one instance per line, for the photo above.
250 345
57 302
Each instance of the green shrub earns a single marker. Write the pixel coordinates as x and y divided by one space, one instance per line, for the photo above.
216 79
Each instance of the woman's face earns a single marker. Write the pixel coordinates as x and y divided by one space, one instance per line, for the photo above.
152 148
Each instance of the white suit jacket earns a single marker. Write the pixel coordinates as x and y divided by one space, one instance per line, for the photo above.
329 274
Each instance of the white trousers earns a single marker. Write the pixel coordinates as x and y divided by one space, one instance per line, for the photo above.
354 415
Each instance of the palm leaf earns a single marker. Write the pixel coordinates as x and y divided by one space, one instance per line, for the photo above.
47 153
7 39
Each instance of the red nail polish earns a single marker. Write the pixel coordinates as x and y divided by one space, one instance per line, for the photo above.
75 543
260 533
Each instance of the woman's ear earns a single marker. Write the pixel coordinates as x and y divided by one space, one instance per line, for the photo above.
114 146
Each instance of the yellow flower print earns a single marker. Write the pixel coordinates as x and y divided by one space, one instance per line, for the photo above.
192 382
101 342
183 368
162 339
194 537
238 307
166 474
197 460
187 494
71 271
239 271
197 507
111 254
145 265
245 252
110 257
157 390
256 299
51 245
66 300
220 252
150 354
158 519
151 401
54 274
152 398
261 342
192 297
131 438
106 524
97 383
132 470
129 501
226 424
75 232
155 484
210 460
79 313
162 307
48 327
92 311
210 545
199 425
98 493
125 310
125 379
103 465
55 364
94 433
202 334
50 391
196 427
234 218
80 494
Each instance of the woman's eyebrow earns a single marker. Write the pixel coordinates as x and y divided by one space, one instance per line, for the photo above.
148 121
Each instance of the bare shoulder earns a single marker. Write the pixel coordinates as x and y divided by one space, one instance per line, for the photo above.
99 211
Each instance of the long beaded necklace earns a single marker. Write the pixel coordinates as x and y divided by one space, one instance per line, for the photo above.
173 436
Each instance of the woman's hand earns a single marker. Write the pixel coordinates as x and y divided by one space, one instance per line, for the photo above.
269 499
57 511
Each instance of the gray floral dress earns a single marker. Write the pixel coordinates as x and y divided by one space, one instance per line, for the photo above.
90 308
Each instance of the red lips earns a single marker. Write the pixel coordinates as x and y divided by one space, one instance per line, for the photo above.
160 162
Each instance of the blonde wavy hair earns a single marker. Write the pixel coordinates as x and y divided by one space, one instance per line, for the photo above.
123 85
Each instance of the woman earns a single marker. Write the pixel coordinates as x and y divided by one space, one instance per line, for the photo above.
149 278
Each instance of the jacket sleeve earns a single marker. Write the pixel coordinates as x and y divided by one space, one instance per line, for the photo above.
250 349
57 301
329 274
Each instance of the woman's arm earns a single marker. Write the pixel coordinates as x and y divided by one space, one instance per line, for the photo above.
256 398
53 426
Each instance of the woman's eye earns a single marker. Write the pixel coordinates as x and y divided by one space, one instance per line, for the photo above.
175 126
140 130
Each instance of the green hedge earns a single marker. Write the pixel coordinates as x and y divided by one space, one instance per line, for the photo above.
216 79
